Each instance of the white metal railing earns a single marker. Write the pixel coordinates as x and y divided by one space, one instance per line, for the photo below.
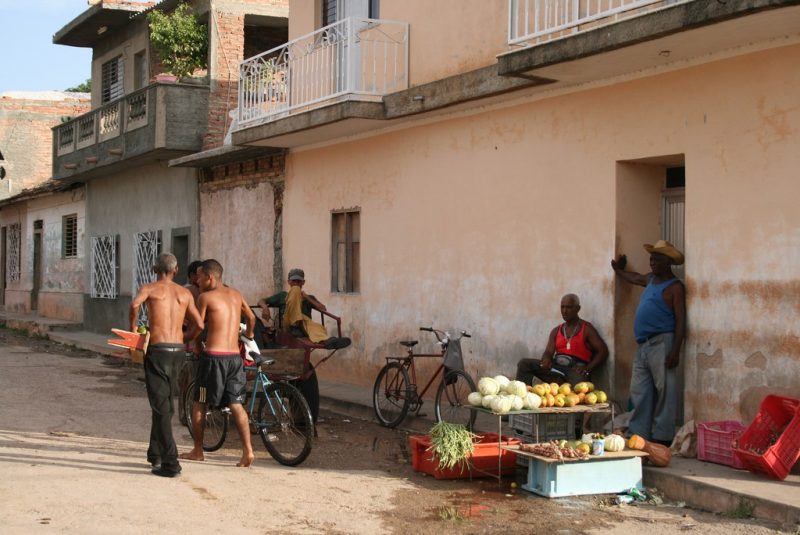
103 273
354 56
145 251
13 250
538 20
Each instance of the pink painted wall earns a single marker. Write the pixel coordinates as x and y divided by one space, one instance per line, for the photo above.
483 221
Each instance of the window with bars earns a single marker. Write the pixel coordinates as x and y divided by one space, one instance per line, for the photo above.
69 236
345 251
13 251
146 247
103 273
112 80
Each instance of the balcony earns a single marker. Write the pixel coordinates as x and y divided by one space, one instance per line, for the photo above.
354 59
579 41
158 122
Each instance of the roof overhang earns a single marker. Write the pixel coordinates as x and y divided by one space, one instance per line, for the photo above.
97 21
673 34
223 156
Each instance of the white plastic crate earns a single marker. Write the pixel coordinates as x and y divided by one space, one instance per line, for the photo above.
551 426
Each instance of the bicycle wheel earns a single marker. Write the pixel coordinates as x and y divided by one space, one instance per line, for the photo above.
451 403
390 397
215 426
285 425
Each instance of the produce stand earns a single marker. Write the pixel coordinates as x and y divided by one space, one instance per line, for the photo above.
609 473
597 408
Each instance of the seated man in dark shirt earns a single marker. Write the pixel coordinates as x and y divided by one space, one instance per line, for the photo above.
574 348
295 308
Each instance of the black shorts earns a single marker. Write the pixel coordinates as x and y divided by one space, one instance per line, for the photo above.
220 379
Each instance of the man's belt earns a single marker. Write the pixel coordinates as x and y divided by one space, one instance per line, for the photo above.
645 339
567 361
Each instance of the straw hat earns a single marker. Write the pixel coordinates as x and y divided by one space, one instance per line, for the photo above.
667 249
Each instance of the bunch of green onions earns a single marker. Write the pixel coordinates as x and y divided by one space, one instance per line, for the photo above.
452 444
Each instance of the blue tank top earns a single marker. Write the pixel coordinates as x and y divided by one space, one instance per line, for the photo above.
654 316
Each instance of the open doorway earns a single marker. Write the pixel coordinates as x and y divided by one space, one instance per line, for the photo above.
650 200
180 248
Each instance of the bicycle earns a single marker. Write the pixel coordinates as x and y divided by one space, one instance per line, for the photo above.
395 392
282 420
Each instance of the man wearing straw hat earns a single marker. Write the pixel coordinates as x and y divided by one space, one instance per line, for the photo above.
659 327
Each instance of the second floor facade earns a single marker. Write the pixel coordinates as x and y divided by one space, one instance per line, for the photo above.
140 112
357 63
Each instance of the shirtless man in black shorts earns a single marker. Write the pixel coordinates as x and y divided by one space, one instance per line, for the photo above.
167 305
220 374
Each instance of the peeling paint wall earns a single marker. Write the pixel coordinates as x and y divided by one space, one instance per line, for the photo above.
483 221
62 285
240 206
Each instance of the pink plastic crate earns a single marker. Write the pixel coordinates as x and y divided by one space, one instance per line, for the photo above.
715 441
771 444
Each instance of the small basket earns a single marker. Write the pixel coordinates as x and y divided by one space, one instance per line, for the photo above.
715 441
771 443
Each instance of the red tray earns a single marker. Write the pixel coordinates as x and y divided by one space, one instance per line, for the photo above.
483 459
771 444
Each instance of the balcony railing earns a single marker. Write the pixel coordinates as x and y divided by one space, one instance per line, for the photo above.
356 58
111 120
532 21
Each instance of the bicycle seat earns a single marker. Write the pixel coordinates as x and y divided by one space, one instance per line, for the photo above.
409 343
261 360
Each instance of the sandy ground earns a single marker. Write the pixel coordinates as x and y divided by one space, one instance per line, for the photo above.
73 431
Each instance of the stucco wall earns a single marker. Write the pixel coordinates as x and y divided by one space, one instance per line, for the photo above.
238 224
446 37
482 222
152 197
63 279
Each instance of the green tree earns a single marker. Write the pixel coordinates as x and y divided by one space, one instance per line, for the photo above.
85 87
180 40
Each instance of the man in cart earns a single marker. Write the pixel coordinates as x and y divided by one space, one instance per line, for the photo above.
295 308
574 350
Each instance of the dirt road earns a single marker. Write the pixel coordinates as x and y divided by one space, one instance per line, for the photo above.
73 432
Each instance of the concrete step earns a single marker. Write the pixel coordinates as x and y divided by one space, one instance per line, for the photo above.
725 490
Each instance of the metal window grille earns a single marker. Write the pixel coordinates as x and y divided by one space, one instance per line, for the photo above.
13 252
104 267
112 87
69 236
146 247
346 251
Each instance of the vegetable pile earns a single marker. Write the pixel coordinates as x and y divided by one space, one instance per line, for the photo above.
452 444
501 395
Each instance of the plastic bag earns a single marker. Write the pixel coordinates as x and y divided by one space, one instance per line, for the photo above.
685 442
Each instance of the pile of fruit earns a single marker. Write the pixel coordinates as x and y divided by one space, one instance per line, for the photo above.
501 395
566 395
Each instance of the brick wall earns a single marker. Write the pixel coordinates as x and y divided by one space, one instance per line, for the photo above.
242 174
26 139
226 48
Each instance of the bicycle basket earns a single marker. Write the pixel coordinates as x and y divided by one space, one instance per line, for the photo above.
453 359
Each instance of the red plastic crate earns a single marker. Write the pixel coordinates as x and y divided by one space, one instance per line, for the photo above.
771 444
715 442
483 459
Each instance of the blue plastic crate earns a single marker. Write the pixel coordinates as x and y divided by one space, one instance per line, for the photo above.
597 475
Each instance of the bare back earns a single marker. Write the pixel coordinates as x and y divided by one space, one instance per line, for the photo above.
167 303
221 309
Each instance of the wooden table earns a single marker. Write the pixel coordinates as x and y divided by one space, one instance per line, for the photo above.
597 408
611 472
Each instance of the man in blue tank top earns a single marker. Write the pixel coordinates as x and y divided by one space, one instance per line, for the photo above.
659 328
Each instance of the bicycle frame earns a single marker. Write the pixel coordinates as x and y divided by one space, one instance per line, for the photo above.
408 363
262 381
